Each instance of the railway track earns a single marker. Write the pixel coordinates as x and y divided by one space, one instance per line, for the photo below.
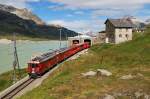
13 92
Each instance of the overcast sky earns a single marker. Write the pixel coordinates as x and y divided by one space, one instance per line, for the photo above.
83 15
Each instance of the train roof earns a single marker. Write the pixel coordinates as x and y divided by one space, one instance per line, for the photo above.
47 55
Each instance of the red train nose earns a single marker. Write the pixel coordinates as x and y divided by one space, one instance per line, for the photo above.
33 70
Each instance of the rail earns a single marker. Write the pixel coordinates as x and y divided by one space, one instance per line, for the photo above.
11 93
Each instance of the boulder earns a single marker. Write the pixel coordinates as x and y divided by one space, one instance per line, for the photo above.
90 73
127 77
139 75
138 94
146 96
103 72
107 96
115 94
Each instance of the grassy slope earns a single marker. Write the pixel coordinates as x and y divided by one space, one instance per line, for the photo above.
127 58
6 79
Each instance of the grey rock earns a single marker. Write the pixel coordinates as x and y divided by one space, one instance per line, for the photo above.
138 94
140 75
90 73
127 77
104 72
117 94
146 96
107 96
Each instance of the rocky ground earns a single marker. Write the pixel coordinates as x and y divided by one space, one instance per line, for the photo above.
121 94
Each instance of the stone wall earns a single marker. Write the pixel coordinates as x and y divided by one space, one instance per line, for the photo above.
110 31
101 37
123 34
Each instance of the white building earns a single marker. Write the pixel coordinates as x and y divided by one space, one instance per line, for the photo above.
118 30
80 39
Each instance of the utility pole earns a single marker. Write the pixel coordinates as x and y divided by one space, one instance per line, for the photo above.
60 38
66 39
16 66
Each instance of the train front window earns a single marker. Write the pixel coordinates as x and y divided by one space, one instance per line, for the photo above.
33 65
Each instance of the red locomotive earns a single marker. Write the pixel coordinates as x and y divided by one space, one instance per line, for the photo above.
40 64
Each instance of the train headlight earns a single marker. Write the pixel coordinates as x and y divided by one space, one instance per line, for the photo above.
33 70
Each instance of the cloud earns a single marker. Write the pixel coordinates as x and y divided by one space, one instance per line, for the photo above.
103 7
79 12
115 13
17 3
98 4
57 7
80 25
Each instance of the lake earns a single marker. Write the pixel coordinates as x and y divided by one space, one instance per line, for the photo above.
26 49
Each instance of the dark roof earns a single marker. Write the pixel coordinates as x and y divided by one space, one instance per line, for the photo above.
120 23
102 32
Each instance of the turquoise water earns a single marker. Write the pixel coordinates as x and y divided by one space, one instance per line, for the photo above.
26 49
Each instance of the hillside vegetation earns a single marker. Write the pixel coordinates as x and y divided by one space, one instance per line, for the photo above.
132 57
28 29
6 79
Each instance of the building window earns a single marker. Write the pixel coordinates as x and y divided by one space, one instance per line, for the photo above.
127 36
120 35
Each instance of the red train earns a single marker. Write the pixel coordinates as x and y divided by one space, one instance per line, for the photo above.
40 64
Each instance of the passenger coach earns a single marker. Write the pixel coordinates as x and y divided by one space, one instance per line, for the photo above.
40 64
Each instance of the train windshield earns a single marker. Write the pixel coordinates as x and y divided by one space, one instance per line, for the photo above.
33 65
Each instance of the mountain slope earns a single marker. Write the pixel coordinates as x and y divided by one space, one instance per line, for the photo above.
22 13
138 24
147 21
10 23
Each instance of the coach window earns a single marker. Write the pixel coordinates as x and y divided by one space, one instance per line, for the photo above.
33 65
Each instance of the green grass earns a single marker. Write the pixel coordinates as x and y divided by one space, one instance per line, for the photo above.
127 58
6 79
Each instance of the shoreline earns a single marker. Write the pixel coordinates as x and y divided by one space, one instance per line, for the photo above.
8 41
26 49
5 41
